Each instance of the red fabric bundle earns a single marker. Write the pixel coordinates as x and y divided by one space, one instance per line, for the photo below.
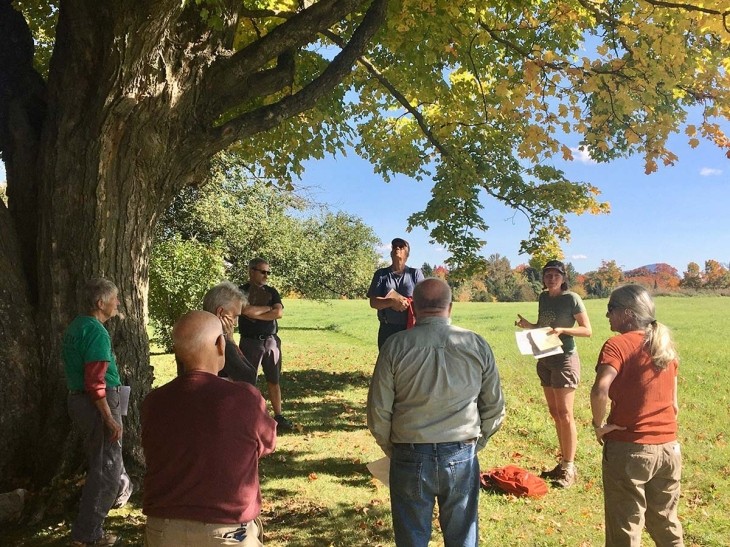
514 480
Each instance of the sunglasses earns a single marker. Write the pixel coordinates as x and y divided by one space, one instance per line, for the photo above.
262 272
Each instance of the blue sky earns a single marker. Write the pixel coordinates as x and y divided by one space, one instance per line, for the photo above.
676 215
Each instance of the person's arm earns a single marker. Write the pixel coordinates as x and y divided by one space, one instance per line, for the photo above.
381 396
583 329
263 313
605 375
676 399
95 387
396 302
490 402
266 433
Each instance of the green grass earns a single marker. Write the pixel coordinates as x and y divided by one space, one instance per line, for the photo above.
317 491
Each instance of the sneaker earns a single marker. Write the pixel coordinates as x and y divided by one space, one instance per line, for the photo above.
107 540
554 473
566 479
283 424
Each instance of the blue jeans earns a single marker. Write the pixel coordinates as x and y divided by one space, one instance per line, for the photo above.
420 474
104 465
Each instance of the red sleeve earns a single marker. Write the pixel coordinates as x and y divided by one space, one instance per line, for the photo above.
94 383
610 355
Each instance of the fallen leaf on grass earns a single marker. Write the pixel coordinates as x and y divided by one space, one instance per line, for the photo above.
313 476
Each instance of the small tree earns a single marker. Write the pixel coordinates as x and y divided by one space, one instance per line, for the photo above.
180 274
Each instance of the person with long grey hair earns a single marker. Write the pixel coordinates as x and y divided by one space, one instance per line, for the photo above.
642 463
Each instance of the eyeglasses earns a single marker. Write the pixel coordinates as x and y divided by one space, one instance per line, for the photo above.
262 272
611 307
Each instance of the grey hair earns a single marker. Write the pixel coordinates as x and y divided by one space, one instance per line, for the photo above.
95 289
432 294
223 295
255 262
657 336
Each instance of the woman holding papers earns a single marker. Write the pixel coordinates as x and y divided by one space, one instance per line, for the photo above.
560 309
642 463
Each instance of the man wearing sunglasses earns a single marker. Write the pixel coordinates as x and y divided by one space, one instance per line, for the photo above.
257 324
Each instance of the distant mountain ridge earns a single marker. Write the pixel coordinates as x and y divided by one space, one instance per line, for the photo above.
651 269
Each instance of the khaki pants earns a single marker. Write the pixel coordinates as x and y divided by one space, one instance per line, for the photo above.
179 533
641 485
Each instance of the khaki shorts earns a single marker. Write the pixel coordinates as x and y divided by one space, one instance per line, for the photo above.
559 371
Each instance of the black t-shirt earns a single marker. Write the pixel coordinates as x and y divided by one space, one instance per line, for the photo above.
259 296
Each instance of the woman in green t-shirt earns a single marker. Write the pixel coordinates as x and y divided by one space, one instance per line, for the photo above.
560 309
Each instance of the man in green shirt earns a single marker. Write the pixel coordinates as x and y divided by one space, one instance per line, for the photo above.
94 385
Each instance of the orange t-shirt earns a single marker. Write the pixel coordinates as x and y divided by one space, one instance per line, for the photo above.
642 395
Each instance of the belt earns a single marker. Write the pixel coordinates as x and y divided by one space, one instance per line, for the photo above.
81 391
258 336
473 440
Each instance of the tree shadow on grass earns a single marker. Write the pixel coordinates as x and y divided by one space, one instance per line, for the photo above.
332 411
293 464
304 523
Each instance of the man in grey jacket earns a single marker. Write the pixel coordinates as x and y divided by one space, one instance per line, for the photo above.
435 399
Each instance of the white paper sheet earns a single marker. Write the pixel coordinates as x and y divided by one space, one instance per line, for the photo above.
380 469
530 341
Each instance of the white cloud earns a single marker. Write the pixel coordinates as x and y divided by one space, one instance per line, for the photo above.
583 155
710 172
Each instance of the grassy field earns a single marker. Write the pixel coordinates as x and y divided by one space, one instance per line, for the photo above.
317 491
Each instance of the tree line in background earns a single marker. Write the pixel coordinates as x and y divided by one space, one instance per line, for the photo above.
210 233
499 282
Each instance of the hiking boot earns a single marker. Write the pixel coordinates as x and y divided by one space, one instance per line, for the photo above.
554 473
283 424
566 479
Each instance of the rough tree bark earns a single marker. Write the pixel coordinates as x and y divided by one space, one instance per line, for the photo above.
129 115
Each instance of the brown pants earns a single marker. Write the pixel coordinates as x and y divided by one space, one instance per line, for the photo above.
179 533
641 485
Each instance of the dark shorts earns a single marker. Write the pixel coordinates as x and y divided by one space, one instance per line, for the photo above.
267 353
559 371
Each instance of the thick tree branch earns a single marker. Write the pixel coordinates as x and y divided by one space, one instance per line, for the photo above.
397 95
238 71
261 84
272 115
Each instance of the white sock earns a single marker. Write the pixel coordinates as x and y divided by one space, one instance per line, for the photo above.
568 466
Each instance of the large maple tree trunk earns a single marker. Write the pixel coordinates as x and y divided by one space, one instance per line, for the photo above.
133 109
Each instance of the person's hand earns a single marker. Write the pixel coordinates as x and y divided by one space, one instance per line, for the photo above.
401 304
604 429
115 430
228 323
556 330
522 322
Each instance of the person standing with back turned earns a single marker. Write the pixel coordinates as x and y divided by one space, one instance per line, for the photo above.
203 437
642 464
391 291
435 399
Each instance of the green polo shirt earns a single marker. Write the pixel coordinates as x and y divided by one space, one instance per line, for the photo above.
86 340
